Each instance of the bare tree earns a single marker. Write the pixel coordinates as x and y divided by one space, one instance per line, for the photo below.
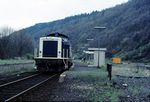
24 43
6 31
17 44
5 41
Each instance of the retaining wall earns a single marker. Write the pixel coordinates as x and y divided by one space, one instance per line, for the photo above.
21 67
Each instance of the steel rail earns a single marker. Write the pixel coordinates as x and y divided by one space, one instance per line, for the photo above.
27 90
12 82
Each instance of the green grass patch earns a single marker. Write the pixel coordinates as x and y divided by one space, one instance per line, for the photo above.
109 95
95 86
130 70
12 61
137 89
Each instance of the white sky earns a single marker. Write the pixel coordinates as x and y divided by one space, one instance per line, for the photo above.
23 13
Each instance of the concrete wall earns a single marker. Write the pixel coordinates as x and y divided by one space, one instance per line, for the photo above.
11 68
99 57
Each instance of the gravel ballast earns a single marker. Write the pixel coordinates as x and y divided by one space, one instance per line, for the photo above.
83 83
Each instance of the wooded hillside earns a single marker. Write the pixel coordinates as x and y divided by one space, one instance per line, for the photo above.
127 34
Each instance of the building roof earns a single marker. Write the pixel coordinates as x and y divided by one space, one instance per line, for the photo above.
97 49
56 34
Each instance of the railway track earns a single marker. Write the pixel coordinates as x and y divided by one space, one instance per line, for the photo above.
15 89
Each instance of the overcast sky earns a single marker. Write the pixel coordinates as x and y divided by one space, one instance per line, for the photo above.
23 13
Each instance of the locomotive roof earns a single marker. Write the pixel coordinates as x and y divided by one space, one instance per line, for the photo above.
56 34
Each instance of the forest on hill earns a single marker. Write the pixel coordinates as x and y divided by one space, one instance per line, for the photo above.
126 35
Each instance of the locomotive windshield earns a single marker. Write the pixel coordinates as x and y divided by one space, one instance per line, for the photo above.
50 48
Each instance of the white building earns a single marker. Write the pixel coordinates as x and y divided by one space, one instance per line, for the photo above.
99 56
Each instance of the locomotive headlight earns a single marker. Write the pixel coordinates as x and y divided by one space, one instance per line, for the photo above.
35 67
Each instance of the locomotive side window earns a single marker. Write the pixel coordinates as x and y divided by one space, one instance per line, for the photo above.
65 50
50 48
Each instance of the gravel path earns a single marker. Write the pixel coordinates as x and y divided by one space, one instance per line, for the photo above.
74 88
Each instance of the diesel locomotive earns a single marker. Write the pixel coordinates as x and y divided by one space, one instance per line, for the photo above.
54 53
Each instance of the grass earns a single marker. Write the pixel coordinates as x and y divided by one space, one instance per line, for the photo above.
140 88
12 61
138 83
130 70
95 86
108 93
108 96
104 92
